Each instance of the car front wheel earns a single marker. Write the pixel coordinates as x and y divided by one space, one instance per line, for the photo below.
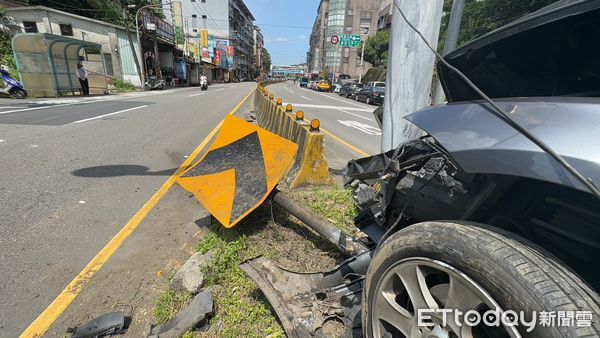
461 279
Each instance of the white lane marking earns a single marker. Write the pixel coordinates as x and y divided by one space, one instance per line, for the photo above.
37 108
306 98
33 146
2 141
81 202
219 89
109 114
11 107
359 116
341 100
365 128
330 107
195 94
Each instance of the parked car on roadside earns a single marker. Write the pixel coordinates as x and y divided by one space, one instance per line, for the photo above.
323 86
350 89
371 95
375 84
303 82
337 87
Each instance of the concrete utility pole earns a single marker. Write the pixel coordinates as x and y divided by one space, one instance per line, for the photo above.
135 58
323 56
458 7
410 68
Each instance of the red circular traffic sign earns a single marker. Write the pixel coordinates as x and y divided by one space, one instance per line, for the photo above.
335 39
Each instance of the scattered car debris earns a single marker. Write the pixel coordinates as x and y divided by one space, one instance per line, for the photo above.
193 315
105 325
304 302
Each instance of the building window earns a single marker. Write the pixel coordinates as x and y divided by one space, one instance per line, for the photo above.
194 16
203 16
348 29
203 1
66 29
30 27
365 15
195 30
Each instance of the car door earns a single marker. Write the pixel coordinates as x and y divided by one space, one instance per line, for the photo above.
362 94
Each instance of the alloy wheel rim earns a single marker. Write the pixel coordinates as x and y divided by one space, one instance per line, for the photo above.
422 283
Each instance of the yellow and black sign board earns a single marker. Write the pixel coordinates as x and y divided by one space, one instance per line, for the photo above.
240 169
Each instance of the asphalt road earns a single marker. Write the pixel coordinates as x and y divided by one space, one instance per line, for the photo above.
351 121
74 172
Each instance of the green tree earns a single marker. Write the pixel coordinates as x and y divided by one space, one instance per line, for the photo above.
376 48
7 57
483 16
266 59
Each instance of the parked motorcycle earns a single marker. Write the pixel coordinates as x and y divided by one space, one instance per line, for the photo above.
13 88
155 83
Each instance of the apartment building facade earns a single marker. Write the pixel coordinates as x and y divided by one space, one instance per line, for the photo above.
230 26
259 43
336 17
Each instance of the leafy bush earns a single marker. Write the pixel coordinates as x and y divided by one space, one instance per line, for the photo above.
123 86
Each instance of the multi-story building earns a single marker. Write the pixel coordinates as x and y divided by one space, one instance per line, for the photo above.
336 17
314 58
259 43
230 26
385 15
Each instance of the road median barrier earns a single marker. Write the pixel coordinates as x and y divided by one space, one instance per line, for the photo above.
310 166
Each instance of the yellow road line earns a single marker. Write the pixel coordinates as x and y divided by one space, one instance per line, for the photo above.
358 151
62 301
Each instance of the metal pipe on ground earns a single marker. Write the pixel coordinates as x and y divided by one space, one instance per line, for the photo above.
349 245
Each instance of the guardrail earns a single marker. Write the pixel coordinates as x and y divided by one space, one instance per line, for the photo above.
310 166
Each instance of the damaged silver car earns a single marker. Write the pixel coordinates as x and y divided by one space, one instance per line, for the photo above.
478 228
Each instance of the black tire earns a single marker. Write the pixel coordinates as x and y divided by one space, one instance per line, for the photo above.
519 275
18 93
368 100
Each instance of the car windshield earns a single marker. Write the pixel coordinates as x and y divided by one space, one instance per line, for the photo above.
379 89
379 84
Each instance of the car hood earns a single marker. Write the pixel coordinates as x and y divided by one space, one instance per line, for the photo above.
480 142
532 56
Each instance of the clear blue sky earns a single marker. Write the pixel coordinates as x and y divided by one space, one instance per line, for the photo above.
287 45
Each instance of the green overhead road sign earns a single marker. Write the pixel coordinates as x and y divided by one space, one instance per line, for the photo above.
349 40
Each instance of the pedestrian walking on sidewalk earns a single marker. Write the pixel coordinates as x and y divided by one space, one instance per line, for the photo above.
83 80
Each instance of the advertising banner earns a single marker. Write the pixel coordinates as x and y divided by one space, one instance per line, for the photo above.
204 37
178 17
197 55
217 57
211 47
